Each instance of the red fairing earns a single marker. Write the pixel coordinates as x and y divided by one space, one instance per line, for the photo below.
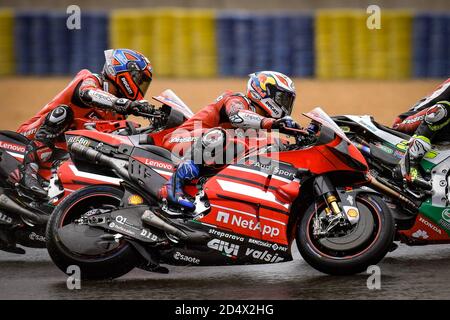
73 179
321 159
247 207
434 233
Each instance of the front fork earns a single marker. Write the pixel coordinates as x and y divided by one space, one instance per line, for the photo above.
324 188
337 217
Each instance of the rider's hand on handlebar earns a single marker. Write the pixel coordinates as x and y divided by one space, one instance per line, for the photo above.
126 107
142 107
284 124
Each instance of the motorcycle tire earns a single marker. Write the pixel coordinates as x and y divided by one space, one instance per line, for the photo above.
325 255
105 266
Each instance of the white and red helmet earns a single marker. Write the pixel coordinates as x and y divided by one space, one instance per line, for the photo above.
273 92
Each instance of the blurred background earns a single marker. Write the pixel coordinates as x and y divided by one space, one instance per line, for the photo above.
200 48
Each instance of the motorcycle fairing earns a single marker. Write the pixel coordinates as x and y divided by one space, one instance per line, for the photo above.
243 200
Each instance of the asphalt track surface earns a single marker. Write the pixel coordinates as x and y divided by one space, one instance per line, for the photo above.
407 273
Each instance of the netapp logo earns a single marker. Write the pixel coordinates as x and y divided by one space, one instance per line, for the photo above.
247 224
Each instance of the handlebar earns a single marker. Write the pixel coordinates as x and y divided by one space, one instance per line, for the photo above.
295 131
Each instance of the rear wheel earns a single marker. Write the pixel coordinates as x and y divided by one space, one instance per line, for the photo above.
352 251
82 245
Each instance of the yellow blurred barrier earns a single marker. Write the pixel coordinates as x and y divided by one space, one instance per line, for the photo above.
323 46
121 28
6 42
400 44
163 33
346 48
142 35
204 53
178 42
182 44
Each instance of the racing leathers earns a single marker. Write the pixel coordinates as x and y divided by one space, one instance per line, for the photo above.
427 119
86 96
230 110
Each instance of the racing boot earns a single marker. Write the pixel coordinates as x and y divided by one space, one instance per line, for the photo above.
173 190
408 167
30 180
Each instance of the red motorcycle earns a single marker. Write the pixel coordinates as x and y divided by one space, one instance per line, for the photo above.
248 212
23 217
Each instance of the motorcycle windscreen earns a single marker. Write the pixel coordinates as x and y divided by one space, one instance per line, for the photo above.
169 98
320 116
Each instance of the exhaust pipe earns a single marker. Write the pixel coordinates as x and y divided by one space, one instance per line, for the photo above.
377 185
8 204
97 157
153 220
187 234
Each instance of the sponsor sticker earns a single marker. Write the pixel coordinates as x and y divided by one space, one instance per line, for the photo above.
273 246
5 218
12 147
250 224
158 164
229 249
226 235
263 255
181 257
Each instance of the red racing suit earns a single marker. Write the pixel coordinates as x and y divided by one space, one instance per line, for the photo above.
72 97
230 110
84 98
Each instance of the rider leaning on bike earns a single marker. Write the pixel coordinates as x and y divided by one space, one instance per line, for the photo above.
267 104
112 95
428 117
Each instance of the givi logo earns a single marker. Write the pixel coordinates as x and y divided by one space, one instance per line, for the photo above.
250 224
227 248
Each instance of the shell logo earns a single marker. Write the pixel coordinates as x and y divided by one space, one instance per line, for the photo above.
135 200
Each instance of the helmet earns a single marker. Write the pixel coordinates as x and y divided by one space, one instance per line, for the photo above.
129 71
273 92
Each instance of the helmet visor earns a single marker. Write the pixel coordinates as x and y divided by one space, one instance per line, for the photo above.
143 86
285 100
142 80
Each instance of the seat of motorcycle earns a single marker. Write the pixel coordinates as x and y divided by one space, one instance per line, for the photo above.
14 135
399 134
142 141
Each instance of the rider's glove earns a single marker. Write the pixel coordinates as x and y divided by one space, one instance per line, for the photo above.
125 107
285 122
138 108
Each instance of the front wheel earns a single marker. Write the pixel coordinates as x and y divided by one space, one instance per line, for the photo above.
81 245
350 252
